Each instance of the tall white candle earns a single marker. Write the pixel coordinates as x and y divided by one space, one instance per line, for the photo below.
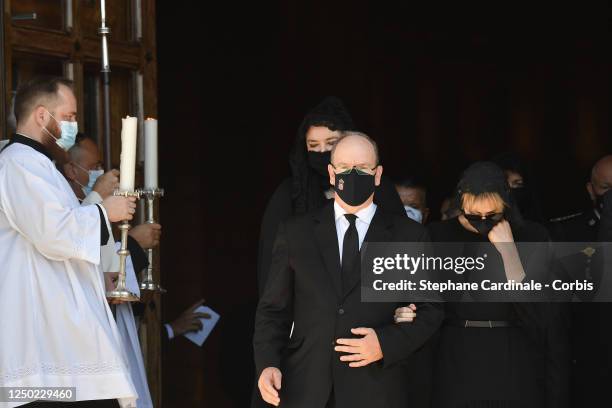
128 153
150 145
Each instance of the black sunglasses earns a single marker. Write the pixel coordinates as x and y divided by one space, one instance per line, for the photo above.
478 217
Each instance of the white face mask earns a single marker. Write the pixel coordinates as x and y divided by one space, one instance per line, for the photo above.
68 134
93 177
414 214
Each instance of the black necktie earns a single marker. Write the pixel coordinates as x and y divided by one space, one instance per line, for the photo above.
350 253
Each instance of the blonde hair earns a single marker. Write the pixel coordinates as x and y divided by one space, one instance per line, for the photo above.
470 199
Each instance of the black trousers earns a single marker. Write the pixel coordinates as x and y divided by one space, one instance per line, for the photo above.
331 402
110 403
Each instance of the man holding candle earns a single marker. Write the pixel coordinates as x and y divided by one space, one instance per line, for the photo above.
84 158
84 172
62 333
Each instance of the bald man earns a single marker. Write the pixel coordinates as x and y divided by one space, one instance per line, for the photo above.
84 174
591 331
341 352
584 226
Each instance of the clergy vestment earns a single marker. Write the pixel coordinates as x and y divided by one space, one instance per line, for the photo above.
126 323
129 334
58 330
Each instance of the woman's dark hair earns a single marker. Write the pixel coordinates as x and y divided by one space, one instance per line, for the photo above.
307 185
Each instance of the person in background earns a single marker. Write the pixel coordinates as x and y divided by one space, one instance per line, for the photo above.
414 197
448 209
84 173
522 185
91 184
591 332
308 186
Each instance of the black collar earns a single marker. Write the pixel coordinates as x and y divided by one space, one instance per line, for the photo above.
17 138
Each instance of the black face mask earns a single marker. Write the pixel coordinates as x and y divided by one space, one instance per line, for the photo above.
483 226
354 188
520 195
318 161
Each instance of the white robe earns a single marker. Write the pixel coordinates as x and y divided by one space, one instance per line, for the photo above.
109 260
131 342
57 328
124 314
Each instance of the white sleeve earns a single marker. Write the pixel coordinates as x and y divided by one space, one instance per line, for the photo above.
110 259
92 198
34 209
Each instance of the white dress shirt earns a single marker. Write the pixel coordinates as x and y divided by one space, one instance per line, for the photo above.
362 223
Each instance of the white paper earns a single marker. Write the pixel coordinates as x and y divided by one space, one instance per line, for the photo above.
208 325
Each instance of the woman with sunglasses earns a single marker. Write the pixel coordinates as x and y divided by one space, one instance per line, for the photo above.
490 354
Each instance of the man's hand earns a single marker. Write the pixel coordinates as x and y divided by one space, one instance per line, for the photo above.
269 383
107 183
189 320
119 208
361 351
405 314
147 235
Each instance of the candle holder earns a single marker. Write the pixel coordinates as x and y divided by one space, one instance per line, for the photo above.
121 292
148 283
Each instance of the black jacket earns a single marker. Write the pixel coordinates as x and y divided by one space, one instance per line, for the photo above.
591 332
280 207
304 288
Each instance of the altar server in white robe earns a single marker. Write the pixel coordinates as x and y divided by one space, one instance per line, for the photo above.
57 328
92 186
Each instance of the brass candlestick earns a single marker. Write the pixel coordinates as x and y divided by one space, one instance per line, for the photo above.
120 292
148 283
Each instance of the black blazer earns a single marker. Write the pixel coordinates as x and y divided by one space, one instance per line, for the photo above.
304 288
280 207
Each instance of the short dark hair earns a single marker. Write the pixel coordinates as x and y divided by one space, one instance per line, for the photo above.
31 93
412 182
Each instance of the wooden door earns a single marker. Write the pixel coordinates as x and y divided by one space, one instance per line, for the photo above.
60 37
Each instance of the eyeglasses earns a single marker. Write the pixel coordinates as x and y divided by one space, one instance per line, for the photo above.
97 167
362 171
478 217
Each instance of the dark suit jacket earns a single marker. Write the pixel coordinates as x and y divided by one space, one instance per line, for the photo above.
304 287
591 333
280 207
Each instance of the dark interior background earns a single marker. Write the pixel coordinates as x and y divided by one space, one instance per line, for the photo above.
438 87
